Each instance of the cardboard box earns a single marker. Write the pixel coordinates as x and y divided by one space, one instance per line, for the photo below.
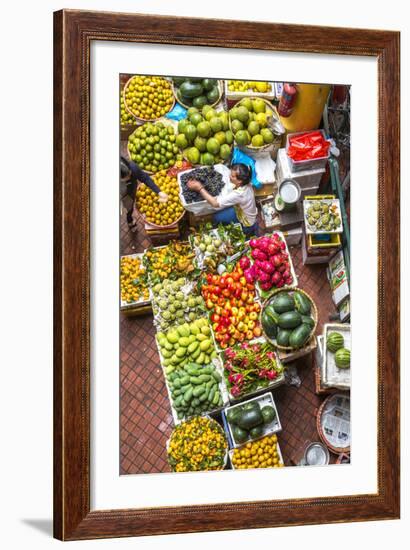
307 179
337 276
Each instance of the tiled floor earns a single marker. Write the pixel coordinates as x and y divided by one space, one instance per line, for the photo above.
146 421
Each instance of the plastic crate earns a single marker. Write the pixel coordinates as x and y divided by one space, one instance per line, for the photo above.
310 164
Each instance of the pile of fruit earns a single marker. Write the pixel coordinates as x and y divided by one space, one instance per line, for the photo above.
210 178
133 280
271 267
212 246
335 344
230 300
196 92
322 215
204 136
197 444
250 367
250 421
160 213
126 118
152 147
249 86
287 319
186 343
259 454
249 121
195 389
149 97
170 261
174 302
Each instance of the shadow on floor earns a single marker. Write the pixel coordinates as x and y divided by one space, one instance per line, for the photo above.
43 525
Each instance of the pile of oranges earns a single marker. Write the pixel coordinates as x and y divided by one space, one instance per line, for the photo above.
126 118
156 212
133 280
149 97
262 453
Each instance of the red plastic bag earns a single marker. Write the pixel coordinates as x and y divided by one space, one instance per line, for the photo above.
311 145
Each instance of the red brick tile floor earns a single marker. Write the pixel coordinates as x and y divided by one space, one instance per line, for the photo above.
146 421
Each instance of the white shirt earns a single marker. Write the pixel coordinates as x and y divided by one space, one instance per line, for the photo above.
243 199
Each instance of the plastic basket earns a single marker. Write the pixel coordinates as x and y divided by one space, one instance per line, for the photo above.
309 164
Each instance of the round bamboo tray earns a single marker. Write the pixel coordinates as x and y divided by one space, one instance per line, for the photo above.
220 86
335 450
168 226
142 120
314 315
166 123
273 147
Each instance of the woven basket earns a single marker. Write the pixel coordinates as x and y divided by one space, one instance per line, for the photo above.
221 89
314 316
335 450
139 119
271 148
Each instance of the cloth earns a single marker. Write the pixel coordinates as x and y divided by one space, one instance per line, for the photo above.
243 200
239 157
228 215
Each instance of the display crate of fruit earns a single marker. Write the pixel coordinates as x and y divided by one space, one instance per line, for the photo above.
254 126
251 368
197 92
212 246
336 356
308 163
190 362
134 284
322 215
171 261
216 181
235 91
197 444
269 265
175 301
273 457
153 87
251 420
289 319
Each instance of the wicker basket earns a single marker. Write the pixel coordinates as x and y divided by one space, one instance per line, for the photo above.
314 316
139 119
271 148
335 450
221 89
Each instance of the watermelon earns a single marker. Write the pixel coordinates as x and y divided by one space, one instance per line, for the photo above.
334 341
342 358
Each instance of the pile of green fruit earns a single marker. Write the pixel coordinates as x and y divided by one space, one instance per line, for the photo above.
195 390
197 92
335 344
249 121
323 216
174 302
287 319
249 421
152 146
204 136
186 343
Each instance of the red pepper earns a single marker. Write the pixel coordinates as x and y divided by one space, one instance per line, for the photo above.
209 278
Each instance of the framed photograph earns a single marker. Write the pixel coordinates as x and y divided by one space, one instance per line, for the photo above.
226 275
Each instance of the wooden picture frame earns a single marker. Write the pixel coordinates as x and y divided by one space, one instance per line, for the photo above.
74 32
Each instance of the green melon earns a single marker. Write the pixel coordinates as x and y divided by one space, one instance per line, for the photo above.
334 341
342 358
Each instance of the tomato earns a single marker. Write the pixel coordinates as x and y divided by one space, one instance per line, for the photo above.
215 318
248 308
250 286
221 301
219 337
209 278
249 335
225 313
257 331
222 282
241 336
241 315
217 290
228 305
253 315
236 334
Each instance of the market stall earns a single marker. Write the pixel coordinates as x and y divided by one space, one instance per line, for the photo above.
230 319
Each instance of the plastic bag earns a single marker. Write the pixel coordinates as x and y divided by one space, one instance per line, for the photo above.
177 113
239 157
310 145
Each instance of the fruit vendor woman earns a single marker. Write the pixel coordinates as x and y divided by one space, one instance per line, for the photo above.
238 205
131 174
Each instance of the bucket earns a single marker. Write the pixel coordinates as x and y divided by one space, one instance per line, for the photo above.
288 195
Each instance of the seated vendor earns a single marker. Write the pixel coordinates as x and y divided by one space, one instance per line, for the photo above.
237 206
